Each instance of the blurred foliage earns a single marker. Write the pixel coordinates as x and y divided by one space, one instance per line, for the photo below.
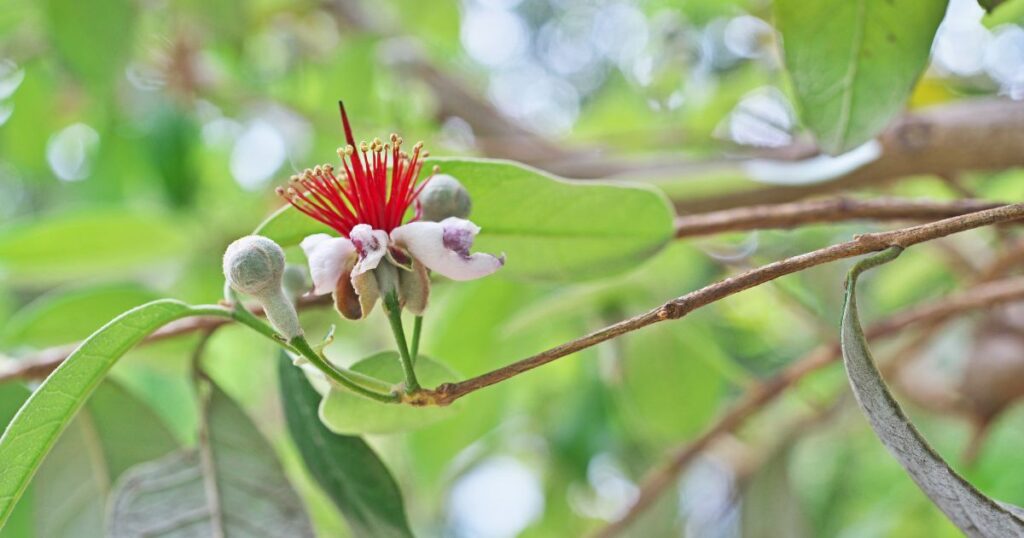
139 137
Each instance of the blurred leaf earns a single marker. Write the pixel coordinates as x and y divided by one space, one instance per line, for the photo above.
346 467
347 413
95 38
545 225
19 525
87 244
114 431
66 316
170 141
770 507
230 485
1009 12
854 63
51 407
669 386
969 509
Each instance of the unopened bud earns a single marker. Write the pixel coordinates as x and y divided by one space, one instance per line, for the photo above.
444 197
254 265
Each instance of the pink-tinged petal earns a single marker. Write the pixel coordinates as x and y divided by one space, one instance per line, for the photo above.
444 247
329 257
371 245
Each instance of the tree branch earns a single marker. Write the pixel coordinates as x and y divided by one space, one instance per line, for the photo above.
839 209
981 134
755 398
679 307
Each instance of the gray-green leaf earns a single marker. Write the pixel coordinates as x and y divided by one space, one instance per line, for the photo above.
114 431
345 466
854 63
230 485
970 510
549 228
34 430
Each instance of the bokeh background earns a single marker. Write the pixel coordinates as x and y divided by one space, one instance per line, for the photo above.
139 137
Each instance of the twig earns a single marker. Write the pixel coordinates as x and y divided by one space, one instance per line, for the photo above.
679 307
754 399
839 209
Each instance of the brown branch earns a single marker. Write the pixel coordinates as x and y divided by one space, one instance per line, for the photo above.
679 307
755 398
839 209
42 363
981 134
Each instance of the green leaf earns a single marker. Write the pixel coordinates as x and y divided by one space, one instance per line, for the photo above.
12 396
230 485
70 315
345 466
114 431
32 433
347 413
969 509
95 38
548 227
87 244
854 63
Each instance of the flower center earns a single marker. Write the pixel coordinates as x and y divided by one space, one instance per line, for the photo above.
362 191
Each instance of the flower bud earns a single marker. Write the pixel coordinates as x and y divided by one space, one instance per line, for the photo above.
444 197
254 265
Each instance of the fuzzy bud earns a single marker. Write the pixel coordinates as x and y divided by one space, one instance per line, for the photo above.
444 197
254 265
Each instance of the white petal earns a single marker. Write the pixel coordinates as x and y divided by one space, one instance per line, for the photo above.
444 247
328 257
371 244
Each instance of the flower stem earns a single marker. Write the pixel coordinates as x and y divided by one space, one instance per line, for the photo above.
394 313
361 384
344 378
417 326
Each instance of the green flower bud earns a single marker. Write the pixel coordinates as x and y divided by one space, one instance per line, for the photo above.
444 197
254 265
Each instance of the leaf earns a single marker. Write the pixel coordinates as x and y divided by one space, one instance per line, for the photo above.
346 467
113 432
548 227
230 485
347 413
70 315
95 38
34 430
970 510
86 244
19 525
853 63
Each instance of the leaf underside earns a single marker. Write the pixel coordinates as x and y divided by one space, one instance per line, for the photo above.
969 509
230 485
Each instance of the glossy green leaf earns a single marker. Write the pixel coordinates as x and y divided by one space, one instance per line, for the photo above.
347 413
854 63
95 38
114 431
548 227
346 468
230 485
32 433
87 244
66 316
969 509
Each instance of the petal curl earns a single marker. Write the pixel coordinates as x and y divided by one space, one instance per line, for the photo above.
444 247
329 257
371 245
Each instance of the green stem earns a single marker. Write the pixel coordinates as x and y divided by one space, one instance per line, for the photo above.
343 378
417 326
394 313
360 383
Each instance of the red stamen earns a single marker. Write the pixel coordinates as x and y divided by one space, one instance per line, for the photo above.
362 192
